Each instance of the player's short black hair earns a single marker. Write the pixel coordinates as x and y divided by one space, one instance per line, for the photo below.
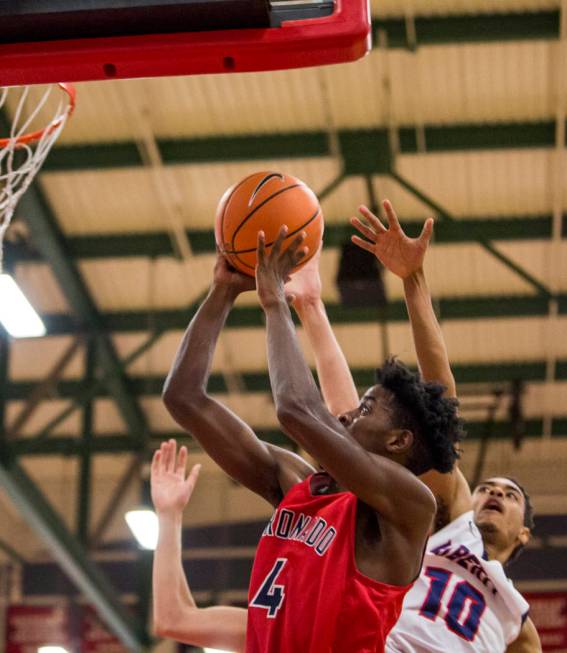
420 407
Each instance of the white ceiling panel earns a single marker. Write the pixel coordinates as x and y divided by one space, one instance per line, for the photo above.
484 183
444 84
125 200
32 358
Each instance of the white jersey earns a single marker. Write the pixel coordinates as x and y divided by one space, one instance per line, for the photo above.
461 602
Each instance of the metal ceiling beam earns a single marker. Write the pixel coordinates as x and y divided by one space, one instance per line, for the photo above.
4 376
84 488
152 244
259 381
115 443
50 241
90 390
43 389
365 151
440 30
132 473
484 242
451 308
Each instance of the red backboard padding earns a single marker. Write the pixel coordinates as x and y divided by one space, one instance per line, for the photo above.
343 36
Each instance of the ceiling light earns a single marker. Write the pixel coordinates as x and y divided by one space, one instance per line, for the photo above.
16 313
143 523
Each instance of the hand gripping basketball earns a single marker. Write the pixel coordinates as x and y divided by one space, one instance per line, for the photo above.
273 269
264 201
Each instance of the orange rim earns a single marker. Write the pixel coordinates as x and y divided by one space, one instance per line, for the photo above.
32 137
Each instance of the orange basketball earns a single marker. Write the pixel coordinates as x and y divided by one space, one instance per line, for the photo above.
264 201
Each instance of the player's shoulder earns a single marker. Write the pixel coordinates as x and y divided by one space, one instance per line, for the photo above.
458 528
292 468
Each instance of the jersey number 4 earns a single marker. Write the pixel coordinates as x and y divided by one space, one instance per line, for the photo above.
271 596
462 621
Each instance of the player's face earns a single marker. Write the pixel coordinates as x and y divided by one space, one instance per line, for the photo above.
499 506
370 423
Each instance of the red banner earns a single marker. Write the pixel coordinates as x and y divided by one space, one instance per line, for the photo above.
28 627
95 638
549 613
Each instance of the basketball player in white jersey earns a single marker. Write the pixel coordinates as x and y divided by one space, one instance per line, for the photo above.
461 602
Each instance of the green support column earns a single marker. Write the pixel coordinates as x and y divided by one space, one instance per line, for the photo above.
4 379
85 472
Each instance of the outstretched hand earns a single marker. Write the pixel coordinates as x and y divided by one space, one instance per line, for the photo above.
171 489
273 269
401 255
225 275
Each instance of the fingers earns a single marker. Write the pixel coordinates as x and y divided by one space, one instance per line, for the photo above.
181 462
374 221
164 449
192 478
393 221
363 244
295 244
365 230
277 246
172 455
426 232
261 250
156 462
292 253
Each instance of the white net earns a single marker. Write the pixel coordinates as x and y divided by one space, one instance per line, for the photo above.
23 151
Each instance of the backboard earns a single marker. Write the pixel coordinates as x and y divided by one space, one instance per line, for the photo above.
45 41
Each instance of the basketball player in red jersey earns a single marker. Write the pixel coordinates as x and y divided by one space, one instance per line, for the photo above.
500 510
341 550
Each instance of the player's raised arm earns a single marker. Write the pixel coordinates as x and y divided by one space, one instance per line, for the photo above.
262 468
404 257
528 640
335 378
176 615
395 493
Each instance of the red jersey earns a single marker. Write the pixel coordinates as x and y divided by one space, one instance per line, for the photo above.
306 593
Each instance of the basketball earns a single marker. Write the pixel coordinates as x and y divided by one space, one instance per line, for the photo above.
264 201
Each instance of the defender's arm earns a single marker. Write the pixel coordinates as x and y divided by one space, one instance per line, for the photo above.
404 257
176 615
336 382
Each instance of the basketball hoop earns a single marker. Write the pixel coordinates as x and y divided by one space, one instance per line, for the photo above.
24 150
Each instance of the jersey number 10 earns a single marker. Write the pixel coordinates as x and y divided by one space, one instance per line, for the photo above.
463 594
